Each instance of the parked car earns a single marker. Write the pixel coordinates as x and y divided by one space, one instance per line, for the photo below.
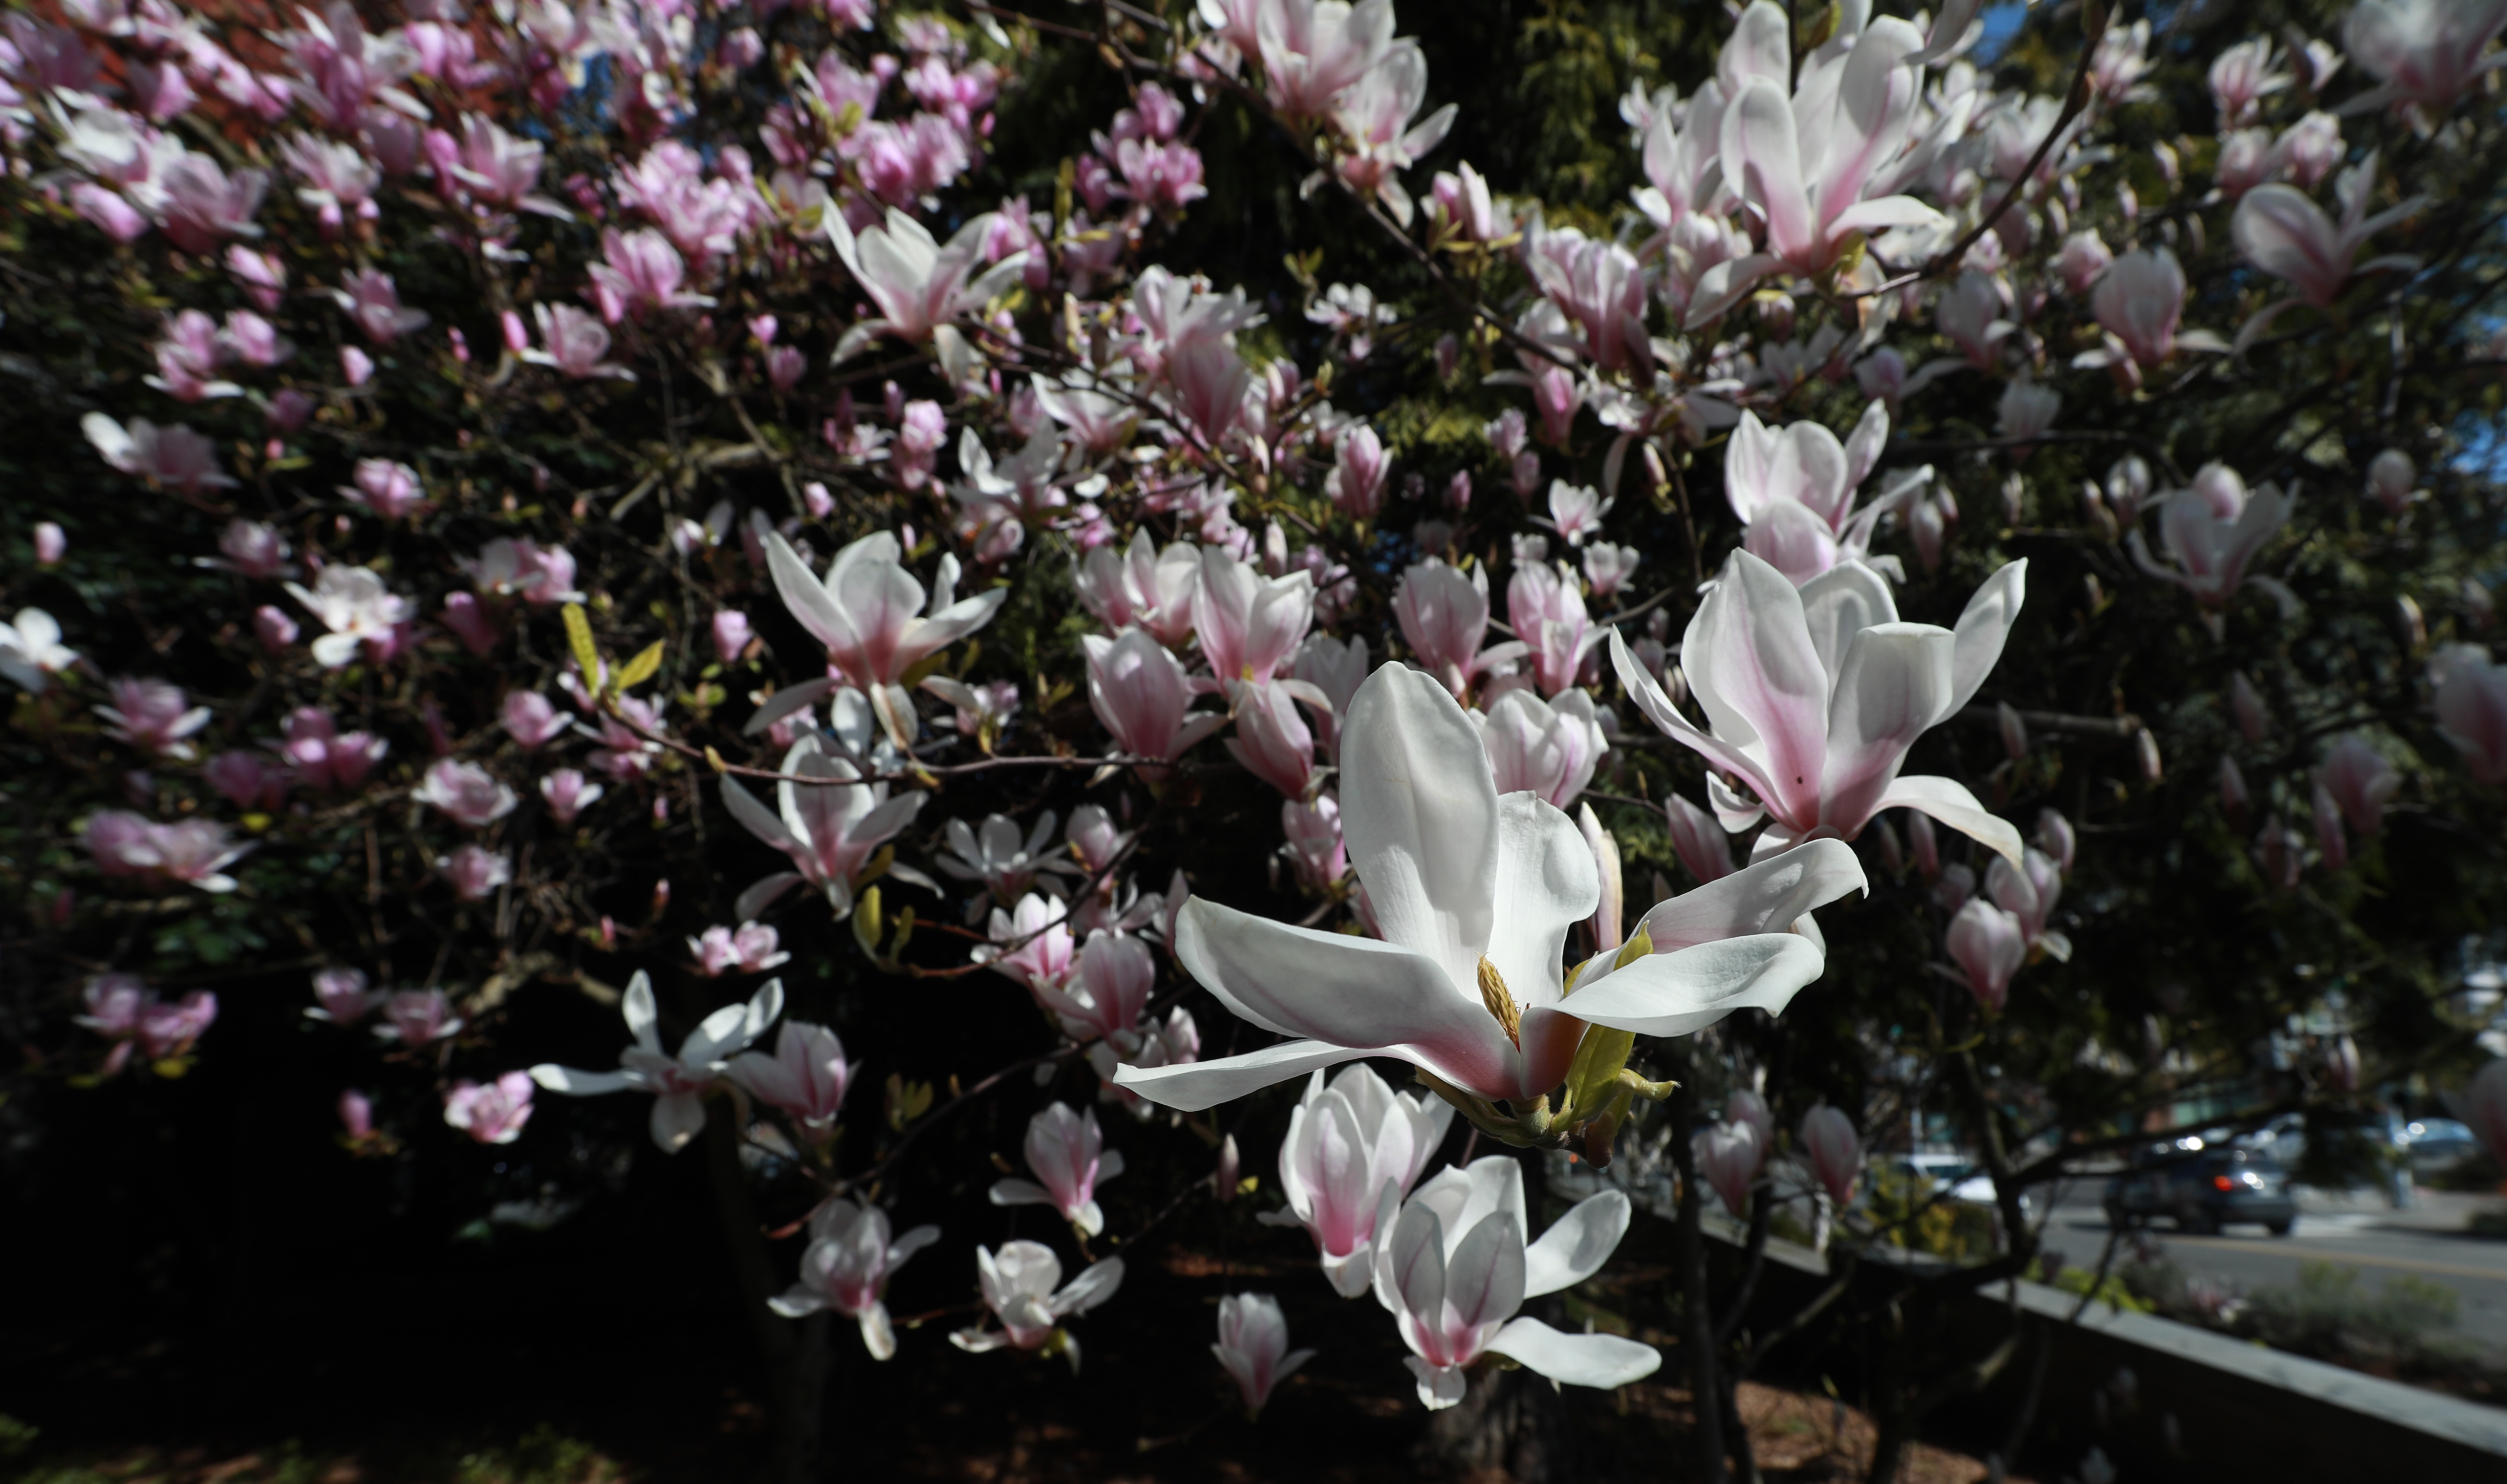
2203 1189
2435 1145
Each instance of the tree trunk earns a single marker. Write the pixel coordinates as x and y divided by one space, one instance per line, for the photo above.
1510 1420
795 1355
1697 1317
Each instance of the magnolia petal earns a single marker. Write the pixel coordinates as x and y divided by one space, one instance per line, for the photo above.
1018 1192
1576 1244
798 1301
1950 802
1890 689
575 1083
805 597
1983 626
1602 1361
1484 1277
1755 673
1678 993
1546 881
677 1117
1724 285
1649 696
1419 811
764 893
1197 1085
1764 897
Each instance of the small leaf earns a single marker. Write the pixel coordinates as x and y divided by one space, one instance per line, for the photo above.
643 668
578 638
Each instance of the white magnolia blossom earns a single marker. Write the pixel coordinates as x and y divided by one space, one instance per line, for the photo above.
1347 1143
678 1083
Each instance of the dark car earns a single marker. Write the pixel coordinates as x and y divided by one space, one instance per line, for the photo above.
2204 1189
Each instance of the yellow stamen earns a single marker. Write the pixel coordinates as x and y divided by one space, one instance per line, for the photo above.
1500 1004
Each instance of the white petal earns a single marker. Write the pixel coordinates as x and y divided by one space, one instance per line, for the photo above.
1764 897
1418 813
578 1084
1546 881
1950 802
1577 1359
1197 1085
1018 1192
1676 994
677 1117
1982 627
1575 1247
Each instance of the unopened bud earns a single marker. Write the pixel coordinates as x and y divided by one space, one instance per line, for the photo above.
2015 732
1927 849
1449 356
1599 1134
2246 705
2146 750
2407 612
661 896
1223 1180
2234 801
1893 856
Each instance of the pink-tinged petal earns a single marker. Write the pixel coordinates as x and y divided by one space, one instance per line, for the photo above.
1762 161
1764 897
1577 1360
1749 466
1658 710
1950 802
1891 688
808 599
1842 603
1755 673
755 817
1576 1245
1724 285
1875 101
1197 1085
1983 626
1679 993
1484 1277
1791 538
1881 213
1418 813
1349 991
2287 235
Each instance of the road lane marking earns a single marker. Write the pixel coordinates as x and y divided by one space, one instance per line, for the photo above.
2365 1259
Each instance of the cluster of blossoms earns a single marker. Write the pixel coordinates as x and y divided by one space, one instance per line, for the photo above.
1029 504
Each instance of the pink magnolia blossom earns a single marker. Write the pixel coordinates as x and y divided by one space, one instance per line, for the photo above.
152 715
2028 891
357 1117
807 1077
1067 1155
1454 1266
1699 841
389 488
1988 944
1141 693
1252 1346
2471 694
1347 1143
2242 77
188 357
575 344
1729 1156
1360 470
175 456
640 272
341 997
206 205
2026 410
731 634
2137 302
2085 256
1314 842
917 283
870 613
493 1112
1794 488
31 651
1836 1152
1460 204
1313 51
2391 478
1601 290
1140 586
1546 607
2213 531
247 780
193 852
1023 1289
2360 781
1474 894
1030 944
750 947
2280 231
475 871
325 757
849 1263
2426 52
465 792
1607 567
419 1018
528 717
1104 998
678 1082
50 543
831 829
1443 617
568 794
1272 739
1815 694
373 304
1546 747
2332 841
353 603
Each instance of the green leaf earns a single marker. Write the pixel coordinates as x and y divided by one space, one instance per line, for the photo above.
642 668
578 638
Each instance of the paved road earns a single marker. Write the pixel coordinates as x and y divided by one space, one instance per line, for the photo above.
2428 1242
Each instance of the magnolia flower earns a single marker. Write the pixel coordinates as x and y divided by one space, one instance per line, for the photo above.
1443 616
567 793
1030 944
1313 51
846 1267
1360 469
31 651
2390 480
1374 114
467 793
1248 624
2471 694
1699 840
2138 300
1729 1156
2213 531
1454 1267
1836 1152
2026 410
1813 166
1607 567
2360 781
917 283
1989 945
1814 695
174 457
2280 231
475 871
1020 1287
1104 999
806 1076
2242 77
353 603
2427 53
1794 488
866 613
752 948
528 717
1347 1143
996 856
571 342
1546 747
150 715
2028 891
419 1018
1143 696
1474 894
829 830
679 1083
194 853
493 1113
372 303
1066 1152
1141 587
1254 1346
340 996
1547 611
